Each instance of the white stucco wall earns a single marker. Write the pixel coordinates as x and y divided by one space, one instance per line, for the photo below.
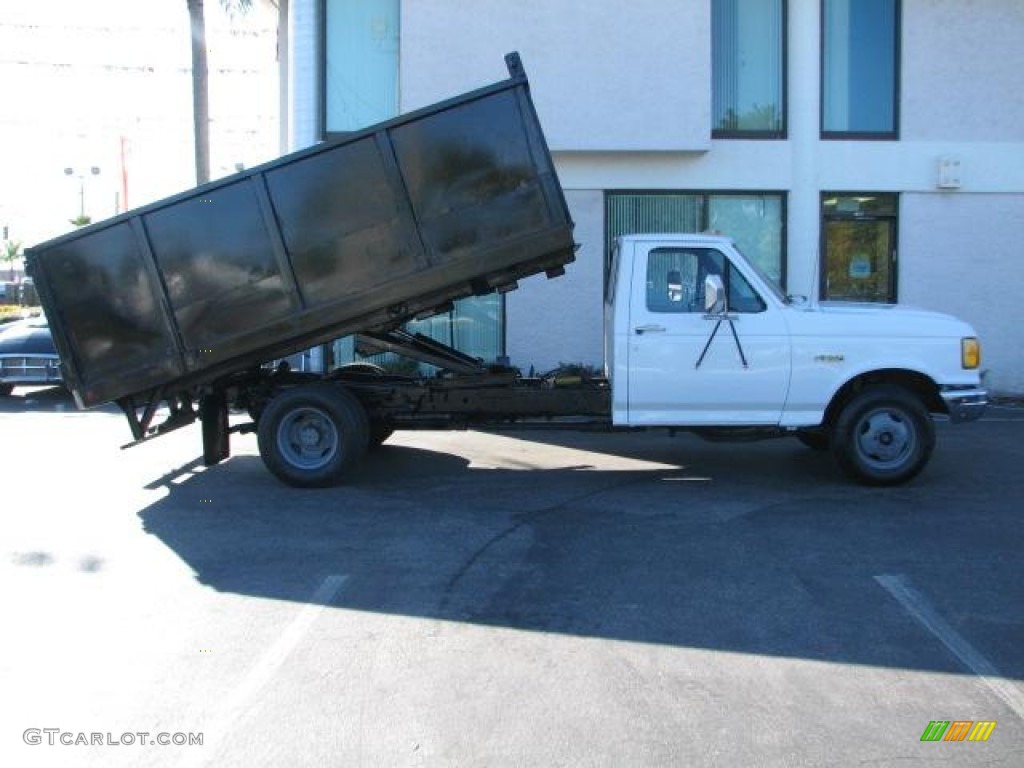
961 70
560 320
604 75
962 96
962 254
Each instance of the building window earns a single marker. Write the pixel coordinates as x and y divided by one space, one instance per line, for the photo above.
860 69
754 220
859 246
748 65
474 326
360 76
359 84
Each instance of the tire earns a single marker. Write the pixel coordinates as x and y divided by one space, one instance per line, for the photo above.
6 389
883 436
379 431
815 439
310 436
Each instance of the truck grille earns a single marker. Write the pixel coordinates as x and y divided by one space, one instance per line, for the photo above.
24 369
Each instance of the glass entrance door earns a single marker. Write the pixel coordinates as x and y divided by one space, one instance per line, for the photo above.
859 250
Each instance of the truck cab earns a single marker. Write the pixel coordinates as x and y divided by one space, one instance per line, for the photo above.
697 336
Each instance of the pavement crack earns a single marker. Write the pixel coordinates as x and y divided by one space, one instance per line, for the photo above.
525 519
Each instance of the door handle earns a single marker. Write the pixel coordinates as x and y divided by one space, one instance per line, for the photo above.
642 329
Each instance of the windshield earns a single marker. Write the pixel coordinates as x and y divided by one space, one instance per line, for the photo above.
768 281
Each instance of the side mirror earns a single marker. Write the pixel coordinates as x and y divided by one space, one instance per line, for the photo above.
714 295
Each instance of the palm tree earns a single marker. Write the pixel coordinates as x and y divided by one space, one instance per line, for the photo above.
201 80
11 251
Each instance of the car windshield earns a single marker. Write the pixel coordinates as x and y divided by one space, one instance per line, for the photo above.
768 281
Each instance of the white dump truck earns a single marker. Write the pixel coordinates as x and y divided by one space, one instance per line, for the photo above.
173 311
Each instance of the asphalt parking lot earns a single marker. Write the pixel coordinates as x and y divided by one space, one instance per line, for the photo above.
505 600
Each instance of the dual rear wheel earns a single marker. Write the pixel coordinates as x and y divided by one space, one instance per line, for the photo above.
310 436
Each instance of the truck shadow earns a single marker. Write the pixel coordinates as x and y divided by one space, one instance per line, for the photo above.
744 550
37 400
54 399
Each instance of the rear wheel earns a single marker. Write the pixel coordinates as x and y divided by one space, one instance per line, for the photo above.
883 436
309 436
379 433
6 389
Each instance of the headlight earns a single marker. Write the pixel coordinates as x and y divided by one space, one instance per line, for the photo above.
970 352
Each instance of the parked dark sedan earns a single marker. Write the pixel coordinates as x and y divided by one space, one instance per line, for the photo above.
27 355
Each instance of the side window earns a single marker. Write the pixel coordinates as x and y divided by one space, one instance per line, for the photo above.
675 281
672 276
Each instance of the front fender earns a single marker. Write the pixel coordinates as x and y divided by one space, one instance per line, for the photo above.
823 379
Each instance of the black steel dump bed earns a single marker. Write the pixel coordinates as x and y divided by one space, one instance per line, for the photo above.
355 234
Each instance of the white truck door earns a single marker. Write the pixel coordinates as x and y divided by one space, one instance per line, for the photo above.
670 333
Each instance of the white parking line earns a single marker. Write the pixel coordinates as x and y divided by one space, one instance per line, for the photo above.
918 607
238 703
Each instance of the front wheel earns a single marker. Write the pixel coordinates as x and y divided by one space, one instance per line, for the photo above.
883 436
309 436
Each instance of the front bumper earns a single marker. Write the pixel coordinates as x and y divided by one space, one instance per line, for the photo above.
965 404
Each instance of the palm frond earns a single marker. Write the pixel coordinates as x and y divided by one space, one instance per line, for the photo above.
235 8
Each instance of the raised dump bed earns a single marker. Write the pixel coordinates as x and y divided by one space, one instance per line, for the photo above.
357 234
